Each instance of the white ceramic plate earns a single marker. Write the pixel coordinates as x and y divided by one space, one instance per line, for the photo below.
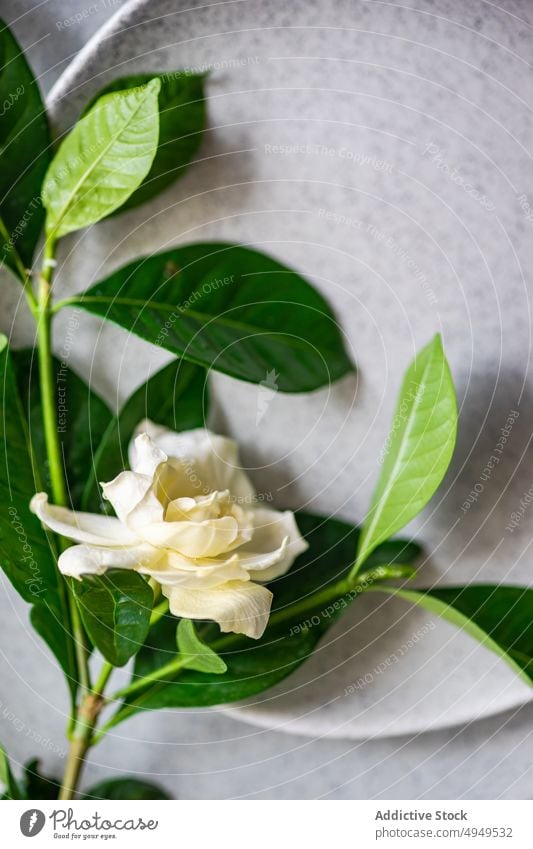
381 150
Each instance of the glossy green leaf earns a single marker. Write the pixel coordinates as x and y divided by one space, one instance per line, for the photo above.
7 779
104 158
83 419
500 617
419 448
182 119
307 600
228 308
196 654
25 553
176 397
115 609
37 785
125 788
24 155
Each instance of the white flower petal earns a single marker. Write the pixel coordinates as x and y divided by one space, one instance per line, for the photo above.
175 570
133 499
273 532
236 606
79 560
144 455
213 459
81 527
194 539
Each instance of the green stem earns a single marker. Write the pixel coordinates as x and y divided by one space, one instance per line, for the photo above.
87 715
46 372
91 700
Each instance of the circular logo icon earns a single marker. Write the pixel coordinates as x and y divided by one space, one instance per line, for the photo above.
32 822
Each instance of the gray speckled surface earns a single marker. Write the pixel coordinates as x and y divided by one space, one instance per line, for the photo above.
402 247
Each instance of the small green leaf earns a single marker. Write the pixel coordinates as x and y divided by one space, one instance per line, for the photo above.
105 157
26 555
24 155
11 787
197 655
176 397
418 450
125 788
182 118
82 419
115 609
500 617
228 308
37 785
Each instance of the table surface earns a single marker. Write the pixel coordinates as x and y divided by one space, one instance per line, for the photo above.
208 754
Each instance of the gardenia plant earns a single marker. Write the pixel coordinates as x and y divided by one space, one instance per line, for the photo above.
176 564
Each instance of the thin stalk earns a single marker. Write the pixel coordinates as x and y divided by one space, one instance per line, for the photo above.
87 715
91 700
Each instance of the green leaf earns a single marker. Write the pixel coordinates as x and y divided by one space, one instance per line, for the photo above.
105 157
176 397
115 609
500 617
182 119
24 155
37 785
125 788
25 553
82 420
228 308
419 448
196 654
11 787
307 601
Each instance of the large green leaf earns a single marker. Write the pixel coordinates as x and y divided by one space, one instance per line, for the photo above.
25 553
229 308
307 600
104 158
115 610
176 397
83 418
500 617
182 118
418 450
125 788
24 155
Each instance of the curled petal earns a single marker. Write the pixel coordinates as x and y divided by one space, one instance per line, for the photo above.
194 539
176 570
133 499
144 455
82 527
82 560
242 607
274 534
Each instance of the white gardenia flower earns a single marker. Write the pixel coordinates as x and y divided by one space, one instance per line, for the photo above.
188 517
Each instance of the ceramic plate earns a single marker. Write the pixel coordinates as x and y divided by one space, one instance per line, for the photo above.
381 150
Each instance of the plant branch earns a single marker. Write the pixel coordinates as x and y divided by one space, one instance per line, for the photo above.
318 600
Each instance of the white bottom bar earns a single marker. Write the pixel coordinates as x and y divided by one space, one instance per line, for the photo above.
256 825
